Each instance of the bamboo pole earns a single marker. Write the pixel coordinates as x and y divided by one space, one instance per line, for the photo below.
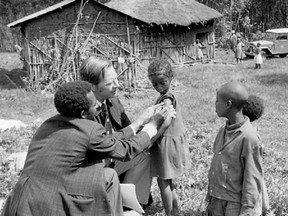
11 81
100 51
64 63
123 48
36 47
117 44
29 58
123 71
131 56
91 31
168 56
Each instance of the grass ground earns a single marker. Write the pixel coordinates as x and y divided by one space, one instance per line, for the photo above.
195 87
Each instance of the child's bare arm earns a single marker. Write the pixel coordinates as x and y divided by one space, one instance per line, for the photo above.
166 123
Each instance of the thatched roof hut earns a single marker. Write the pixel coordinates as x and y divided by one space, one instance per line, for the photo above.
129 32
165 12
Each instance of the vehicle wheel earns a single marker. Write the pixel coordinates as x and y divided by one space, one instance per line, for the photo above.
282 55
264 55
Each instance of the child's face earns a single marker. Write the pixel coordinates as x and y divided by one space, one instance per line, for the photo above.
220 105
161 83
93 106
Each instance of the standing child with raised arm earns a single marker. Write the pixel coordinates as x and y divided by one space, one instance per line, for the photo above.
169 153
236 174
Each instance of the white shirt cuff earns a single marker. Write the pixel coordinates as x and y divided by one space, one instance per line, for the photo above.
133 129
150 129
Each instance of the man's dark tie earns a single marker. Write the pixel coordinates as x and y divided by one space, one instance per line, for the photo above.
105 120
103 114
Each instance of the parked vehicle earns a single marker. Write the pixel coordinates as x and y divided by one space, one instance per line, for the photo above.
274 43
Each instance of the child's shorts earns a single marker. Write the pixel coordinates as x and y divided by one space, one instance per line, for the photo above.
218 207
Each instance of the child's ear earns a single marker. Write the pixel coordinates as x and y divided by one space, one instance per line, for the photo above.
229 104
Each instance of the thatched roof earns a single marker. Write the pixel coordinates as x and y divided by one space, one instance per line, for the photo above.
40 13
178 12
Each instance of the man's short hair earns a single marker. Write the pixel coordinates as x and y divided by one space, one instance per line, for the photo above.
93 68
71 98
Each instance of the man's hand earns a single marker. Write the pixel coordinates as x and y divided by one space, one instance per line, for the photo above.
161 115
171 112
146 116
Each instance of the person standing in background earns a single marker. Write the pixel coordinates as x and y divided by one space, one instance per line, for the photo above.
239 55
199 52
258 59
233 41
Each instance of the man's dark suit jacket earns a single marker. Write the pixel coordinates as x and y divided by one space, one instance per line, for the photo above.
63 172
117 114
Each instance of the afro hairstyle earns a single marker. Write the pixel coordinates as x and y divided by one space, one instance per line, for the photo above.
254 108
71 98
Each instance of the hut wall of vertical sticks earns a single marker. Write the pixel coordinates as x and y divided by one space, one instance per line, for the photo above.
58 38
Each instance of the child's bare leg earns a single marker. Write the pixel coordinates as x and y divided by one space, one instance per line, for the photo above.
175 210
166 194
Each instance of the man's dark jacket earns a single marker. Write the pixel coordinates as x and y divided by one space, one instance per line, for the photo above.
63 172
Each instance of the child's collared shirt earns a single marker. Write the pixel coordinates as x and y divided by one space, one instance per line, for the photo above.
236 168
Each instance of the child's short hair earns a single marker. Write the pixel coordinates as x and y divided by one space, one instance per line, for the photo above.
160 67
234 92
71 98
254 108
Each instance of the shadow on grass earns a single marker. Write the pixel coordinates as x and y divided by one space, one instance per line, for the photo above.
273 79
12 79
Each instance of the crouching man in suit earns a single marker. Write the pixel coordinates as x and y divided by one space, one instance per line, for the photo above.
63 172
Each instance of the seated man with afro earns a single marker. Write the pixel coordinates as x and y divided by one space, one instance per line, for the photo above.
63 172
